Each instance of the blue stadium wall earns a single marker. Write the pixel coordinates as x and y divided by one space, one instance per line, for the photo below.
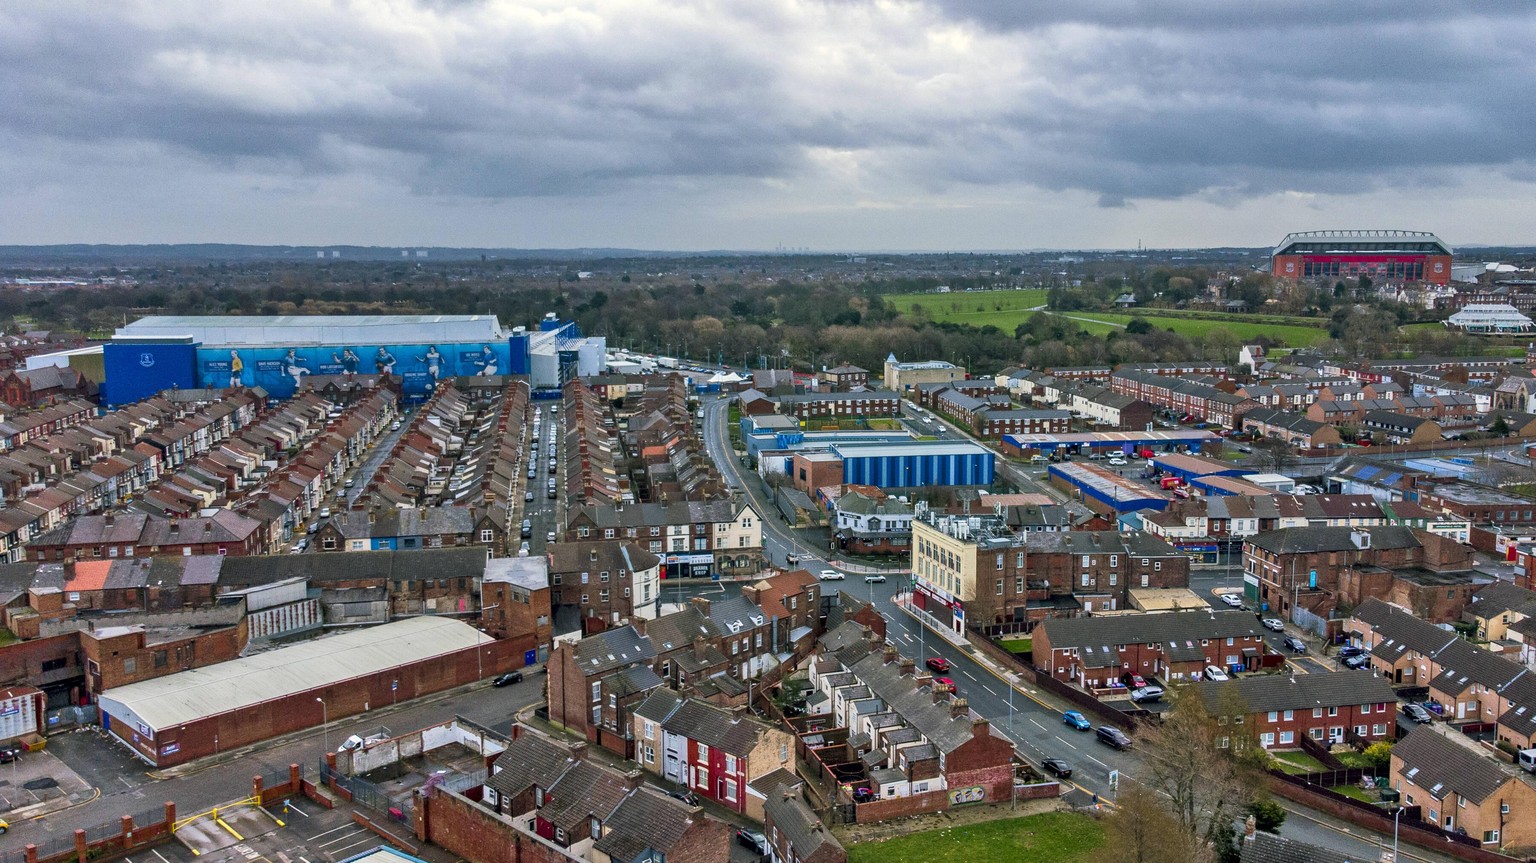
279 370
138 371
915 471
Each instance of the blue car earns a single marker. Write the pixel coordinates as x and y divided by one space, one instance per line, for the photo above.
1076 720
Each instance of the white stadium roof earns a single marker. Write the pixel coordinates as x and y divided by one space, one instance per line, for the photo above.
281 330
187 696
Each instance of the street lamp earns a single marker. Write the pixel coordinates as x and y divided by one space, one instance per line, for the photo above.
325 723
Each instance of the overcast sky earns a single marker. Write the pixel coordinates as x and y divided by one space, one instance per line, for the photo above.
745 124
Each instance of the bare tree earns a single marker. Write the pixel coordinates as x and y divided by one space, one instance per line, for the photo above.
1204 762
1142 830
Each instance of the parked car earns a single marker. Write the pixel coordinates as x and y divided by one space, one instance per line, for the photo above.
349 483
752 839
831 575
1295 645
1133 680
1117 461
863 795
298 547
1273 624
874 579
1232 599
1057 767
1113 737
944 684
686 796
527 528
528 495
1359 660
549 537
1214 672
508 679
1349 650
1076 720
1418 714
1147 693
938 663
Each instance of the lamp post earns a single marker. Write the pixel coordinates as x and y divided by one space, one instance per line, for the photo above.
325 723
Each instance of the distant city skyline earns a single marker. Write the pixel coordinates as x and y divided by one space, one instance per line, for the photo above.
950 125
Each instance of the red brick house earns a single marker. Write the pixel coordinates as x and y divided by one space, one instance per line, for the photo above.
1279 710
1093 652
713 751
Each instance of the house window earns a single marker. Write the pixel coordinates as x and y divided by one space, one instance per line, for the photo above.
607 533
1490 837
730 763
1287 738
1315 733
603 576
703 757
487 535
730 790
999 587
130 665
597 691
583 532
649 752
538 796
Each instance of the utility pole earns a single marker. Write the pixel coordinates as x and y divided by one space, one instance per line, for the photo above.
325 723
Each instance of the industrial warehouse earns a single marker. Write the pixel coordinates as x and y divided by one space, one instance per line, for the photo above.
201 712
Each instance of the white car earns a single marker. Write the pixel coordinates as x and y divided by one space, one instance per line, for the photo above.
1273 624
874 579
1232 599
831 575
1214 673
1117 461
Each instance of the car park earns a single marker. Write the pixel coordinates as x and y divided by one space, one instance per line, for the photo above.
1057 767
1418 714
938 663
1295 645
1213 672
1113 737
1147 694
1274 624
1232 599
508 679
830 575
874 579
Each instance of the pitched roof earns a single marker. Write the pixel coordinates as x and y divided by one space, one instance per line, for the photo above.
1171 629
787 811
1305 540
612 648
1441 766
645 820
532 759
1299 691
1269 848
584 791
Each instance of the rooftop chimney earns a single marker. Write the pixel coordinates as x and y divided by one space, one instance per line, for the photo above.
634 779
699 646
958 707
579 751
890 654
906 666
701 604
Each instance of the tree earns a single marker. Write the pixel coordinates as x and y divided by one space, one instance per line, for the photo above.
1138 326
1500 427
1267 814
1379 754
1274 452
1204 764
1142 830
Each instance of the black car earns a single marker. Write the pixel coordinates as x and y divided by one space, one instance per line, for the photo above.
1113 737
1057 767
752 839
508 679
1295 645
1357 661
1349 650
1418 714
688 797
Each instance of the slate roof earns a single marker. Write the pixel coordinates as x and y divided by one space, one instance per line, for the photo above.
1177 627
1441 767
354 565
531 759
645 820
585 791
1299 691
706 723
1502 596
1317 539
916 705
785 808
1270 848
611 649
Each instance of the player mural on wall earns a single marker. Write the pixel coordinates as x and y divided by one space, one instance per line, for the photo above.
349 360
293 367
486 362
236 370
434 362
384 361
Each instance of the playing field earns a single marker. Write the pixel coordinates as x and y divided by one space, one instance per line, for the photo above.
1294 335
1002 309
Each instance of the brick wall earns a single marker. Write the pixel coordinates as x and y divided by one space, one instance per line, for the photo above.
476 834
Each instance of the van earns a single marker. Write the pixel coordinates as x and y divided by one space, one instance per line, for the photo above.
1113 737
1038 459
1528 760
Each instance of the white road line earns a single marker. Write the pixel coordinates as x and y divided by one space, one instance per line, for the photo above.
1037 723
158 854
342 838
966 673
295 807
1094 760
988 688
332 830
367 839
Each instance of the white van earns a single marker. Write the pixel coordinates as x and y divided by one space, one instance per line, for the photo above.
1528 760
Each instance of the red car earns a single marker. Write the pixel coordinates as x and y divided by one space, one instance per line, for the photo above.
944 684
938 663
1133 680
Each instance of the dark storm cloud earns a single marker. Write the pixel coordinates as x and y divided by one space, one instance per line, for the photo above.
1119 100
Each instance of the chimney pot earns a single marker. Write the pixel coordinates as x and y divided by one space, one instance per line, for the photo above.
958 707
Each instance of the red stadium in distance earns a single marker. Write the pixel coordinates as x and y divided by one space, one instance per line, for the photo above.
1402 256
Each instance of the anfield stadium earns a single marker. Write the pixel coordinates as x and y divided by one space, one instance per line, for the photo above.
1401 256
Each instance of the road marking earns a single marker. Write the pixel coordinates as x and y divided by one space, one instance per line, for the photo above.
330 831
1037 723
963 671
988 689
1094 760
158 854
295 807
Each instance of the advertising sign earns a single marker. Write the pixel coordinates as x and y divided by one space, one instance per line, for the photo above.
280 371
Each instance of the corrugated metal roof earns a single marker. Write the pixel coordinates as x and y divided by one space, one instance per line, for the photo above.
188 696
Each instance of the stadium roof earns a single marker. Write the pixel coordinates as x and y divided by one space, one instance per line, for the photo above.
1361 241
282 330
187 696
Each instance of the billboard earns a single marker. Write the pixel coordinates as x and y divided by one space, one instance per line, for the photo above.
280 371
138 370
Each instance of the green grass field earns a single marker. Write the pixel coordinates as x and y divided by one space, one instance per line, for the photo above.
1017 645
1297 762
1295 335
1002 309
1052 837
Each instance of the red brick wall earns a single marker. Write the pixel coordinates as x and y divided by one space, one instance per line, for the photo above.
478 835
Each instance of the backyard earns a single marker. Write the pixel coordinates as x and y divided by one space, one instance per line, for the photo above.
1051 837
